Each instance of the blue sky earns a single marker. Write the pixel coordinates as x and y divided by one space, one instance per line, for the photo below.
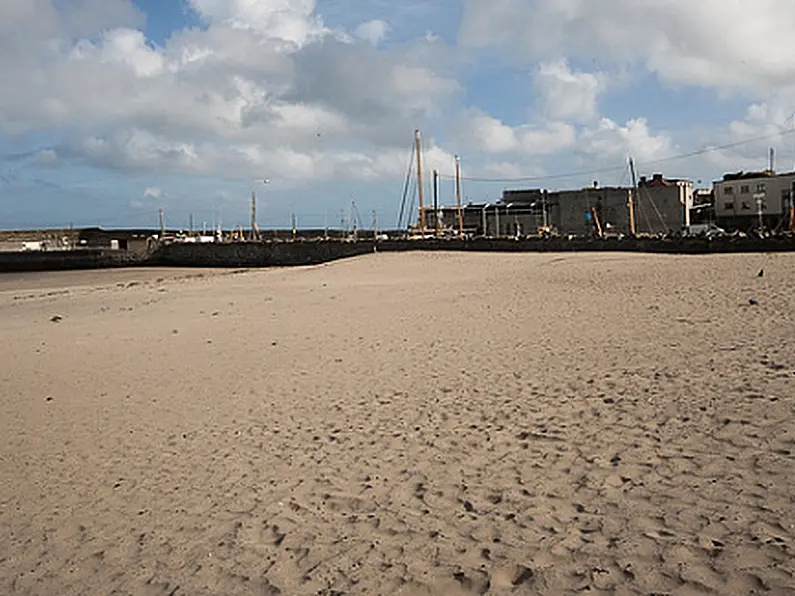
114 109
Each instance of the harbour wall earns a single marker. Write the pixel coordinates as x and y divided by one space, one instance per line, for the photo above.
313 252
280 254
63 260
257 254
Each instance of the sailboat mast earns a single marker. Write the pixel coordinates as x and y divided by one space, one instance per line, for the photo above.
253 231
458 194
436 202
418 141
632 194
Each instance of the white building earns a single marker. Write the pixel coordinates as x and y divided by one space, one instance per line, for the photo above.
736 197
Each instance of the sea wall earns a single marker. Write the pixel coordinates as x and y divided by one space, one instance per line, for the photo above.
279 254
257 254
312 252
59 260
650 245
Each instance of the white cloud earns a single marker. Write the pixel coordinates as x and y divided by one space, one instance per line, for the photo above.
567 95
763 119
712 43
151 198
601 143
265 85
373 31
746 143
553 137
609 141
267 88
36 21
122 47
140 151
46 157
482 132
154 192
489 134
288 20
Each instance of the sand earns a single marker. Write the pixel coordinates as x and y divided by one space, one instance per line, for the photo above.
402 424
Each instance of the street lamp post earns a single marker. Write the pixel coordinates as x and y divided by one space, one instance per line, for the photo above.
544 209
485 228
760 199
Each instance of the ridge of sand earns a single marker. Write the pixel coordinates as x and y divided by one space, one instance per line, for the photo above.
402 423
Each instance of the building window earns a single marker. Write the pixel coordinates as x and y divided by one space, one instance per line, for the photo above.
728 206
760 188
745 206
728 190
745 189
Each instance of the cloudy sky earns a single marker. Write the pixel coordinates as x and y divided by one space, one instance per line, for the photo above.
113 109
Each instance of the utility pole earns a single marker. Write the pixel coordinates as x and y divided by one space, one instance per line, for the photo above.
631 201
190 224
418 141
458 195
375 231
162 225
436 201
772 162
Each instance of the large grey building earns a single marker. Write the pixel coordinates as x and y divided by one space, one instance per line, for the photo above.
660 205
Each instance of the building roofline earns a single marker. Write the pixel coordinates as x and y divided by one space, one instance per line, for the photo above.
764 174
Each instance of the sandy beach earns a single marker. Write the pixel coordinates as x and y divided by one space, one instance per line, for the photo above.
402 424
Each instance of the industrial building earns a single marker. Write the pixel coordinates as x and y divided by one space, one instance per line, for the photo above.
660 205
